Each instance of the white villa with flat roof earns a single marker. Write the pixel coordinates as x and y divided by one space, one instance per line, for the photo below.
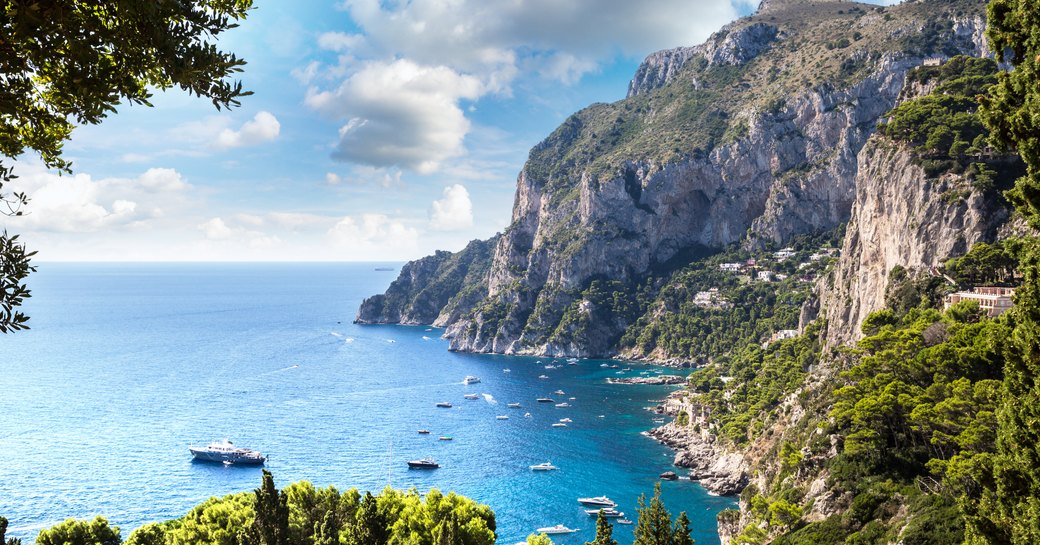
995 300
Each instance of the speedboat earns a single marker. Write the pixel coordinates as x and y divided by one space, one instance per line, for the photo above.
424 432
227 453
558 529
543 377
560 392
471 396
563 405
444 438
527 415
559 425
603 365
423 463
547 466
507 370
545 400
624 521
598 501
513 405
470 379
566 420
444 404
608 512
501 417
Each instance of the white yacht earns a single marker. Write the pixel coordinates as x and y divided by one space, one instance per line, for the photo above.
547 466
513 405
566 420
470 379
502 417
608 512
559 425
423 463
558 529
598 501
227 453
563 405
471 396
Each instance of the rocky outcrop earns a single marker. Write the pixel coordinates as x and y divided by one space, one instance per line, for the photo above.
901 217
436 289
719 471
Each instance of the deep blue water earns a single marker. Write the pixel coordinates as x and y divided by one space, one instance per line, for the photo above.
127 364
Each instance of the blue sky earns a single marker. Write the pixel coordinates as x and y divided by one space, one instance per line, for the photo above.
379 130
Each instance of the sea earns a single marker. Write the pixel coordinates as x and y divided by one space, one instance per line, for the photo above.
126 365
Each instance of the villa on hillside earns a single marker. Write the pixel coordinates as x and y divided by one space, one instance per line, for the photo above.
995 300
783 254
731 267
711 299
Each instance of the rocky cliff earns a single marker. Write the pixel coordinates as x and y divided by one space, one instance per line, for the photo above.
901 217
752 136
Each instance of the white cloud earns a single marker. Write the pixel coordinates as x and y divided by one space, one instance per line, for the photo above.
79 203
453 211
367 176
400 114
340 41
374 236
264 127
217 230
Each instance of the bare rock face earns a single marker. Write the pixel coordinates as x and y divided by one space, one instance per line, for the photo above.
901 217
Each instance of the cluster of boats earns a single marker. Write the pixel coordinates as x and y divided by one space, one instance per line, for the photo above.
599 504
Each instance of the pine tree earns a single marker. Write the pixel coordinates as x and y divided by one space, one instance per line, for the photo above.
654 526
681 532
271 515
604 532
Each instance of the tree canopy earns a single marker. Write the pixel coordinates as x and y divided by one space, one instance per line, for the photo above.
72 62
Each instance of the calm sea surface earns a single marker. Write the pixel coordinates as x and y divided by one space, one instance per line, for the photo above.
128 364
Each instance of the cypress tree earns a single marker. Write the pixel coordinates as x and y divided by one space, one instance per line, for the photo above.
3 534
604 532
654 526
326 532
271 514
681 532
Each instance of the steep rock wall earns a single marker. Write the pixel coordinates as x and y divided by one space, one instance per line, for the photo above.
901 217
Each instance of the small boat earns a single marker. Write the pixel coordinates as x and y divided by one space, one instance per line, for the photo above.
560 392
550 366
545 400
471 396
572 363
598 501
507 370
501 417
547 466
444 404
444 438
513 405
226 453
658 421
615 366
558 529
559 425
566 420
424 432
608 512
624 521
543 377
423 463
527 415
603 365
572 398
563 405
626 369
470 379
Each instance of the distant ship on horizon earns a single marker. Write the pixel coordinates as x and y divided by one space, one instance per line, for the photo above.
384 268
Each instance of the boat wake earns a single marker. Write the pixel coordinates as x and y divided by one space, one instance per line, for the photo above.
490 399
336 334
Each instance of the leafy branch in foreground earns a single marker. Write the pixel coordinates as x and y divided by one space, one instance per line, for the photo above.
73 62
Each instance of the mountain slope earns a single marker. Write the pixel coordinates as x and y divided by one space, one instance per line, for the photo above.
751 136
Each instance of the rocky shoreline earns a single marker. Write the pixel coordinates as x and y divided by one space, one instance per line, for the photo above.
658 380
719 471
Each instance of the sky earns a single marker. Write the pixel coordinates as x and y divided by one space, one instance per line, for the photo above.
377 131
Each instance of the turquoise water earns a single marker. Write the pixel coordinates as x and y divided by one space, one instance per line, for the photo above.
126 365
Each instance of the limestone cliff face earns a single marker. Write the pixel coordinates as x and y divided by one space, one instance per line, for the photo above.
901 217
751 136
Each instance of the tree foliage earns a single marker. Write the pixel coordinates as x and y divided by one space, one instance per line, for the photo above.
73 62
80 532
